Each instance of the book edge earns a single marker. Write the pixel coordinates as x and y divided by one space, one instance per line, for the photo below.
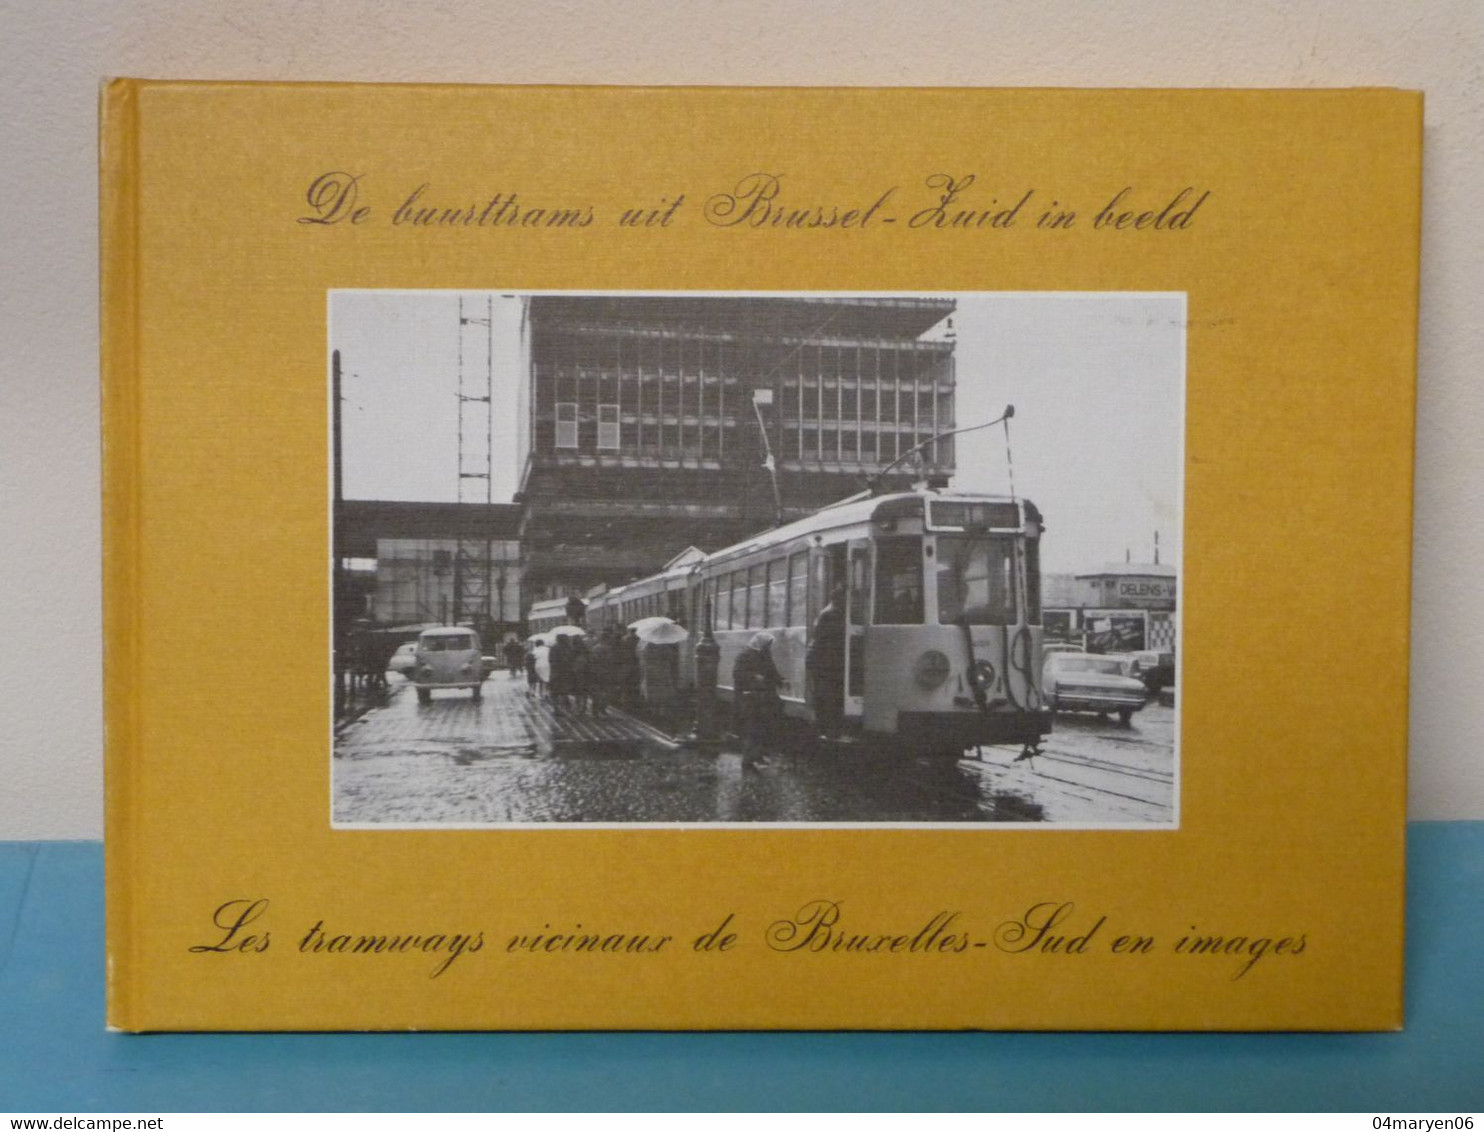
1417 141
141 81
118 371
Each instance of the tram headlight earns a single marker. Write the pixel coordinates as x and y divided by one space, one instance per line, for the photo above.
930 669
983 674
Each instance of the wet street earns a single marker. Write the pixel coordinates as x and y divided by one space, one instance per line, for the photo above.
511 757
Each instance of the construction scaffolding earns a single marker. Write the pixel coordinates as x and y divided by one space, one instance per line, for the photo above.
481 575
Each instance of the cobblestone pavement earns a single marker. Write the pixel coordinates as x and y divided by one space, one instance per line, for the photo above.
512 757
505 716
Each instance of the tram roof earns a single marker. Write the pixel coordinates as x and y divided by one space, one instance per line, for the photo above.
848 512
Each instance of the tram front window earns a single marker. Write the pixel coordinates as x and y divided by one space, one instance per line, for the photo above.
898 581
976 580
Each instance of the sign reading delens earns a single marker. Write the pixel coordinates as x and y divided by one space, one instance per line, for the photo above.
1152 592
1162 589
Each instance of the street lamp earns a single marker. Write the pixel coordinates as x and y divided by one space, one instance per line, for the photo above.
761 397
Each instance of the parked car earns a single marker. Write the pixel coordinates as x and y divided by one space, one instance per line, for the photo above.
1086 682
447 658
403 659
1051 647
1155 669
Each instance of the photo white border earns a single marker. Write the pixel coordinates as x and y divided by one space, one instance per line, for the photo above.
761 827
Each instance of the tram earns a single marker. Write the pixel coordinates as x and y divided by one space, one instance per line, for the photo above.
667 594
942 613
546 614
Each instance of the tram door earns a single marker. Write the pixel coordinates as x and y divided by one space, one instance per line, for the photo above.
857 617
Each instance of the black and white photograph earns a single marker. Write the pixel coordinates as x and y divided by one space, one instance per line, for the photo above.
755 559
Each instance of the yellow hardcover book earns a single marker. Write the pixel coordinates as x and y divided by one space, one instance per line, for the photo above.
698 558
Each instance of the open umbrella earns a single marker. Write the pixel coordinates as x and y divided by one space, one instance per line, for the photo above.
568 631
662 631
648 623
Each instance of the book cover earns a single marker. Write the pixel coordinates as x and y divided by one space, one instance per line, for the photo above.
701 558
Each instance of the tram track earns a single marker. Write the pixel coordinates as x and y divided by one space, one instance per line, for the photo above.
1072 759
1103 790
1068 783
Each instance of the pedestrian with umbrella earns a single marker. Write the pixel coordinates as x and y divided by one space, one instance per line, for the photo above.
659 662
563 671
630 678
603 674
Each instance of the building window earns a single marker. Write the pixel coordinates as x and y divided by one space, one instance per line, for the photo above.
566 424
608 427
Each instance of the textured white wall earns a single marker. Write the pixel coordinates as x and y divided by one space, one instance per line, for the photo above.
53 55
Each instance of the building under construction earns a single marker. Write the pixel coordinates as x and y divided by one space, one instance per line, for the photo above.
650 421
436 562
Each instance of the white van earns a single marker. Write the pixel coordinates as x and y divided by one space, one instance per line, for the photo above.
447 658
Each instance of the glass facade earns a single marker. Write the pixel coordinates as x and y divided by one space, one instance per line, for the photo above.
439 580
648 393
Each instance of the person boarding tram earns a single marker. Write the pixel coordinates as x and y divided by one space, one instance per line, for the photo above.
825 663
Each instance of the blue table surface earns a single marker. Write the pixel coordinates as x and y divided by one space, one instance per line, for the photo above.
56 1056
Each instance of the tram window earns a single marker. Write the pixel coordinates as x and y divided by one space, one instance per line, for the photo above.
976 580
1033 581
778 594
899 581
798 589
819 585
860 587
757 595
739 599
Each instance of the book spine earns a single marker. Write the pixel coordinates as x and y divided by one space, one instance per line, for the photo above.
118 324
